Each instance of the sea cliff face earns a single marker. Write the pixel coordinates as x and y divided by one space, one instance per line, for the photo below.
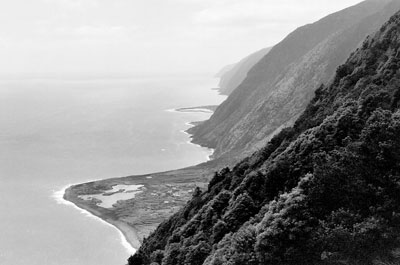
279 87
324 191
232 76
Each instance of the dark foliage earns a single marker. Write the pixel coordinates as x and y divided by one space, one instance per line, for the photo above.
326 191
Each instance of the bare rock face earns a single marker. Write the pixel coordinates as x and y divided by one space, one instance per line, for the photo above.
279 87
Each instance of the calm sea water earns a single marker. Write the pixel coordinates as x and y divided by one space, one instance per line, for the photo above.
57 132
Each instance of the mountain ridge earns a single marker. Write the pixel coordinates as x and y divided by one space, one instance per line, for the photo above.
324 191
232 75
277 89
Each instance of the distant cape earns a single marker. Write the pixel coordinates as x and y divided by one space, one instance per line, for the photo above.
231 76
277 89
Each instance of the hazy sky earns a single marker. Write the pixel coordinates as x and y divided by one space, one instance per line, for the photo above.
140 36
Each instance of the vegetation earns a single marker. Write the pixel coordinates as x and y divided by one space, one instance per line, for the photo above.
326 191
279 87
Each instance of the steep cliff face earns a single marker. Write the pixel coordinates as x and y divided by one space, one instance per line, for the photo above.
233 76
224 70
278 88
325 191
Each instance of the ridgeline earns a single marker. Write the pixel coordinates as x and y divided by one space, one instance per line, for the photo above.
325 191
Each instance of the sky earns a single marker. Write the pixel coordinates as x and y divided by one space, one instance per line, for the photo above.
145 36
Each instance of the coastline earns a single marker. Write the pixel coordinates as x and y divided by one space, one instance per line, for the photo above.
137 217
128 238
210 150
201 109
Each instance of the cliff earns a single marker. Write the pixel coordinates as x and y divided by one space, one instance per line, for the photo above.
232 76
279 87
325 191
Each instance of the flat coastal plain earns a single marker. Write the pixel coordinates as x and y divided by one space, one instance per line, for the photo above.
161 195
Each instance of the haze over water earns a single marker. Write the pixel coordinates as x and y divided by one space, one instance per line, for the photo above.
57 132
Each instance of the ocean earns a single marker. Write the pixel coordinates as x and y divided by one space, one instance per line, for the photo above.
56 132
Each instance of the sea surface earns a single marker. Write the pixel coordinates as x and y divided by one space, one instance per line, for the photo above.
56 132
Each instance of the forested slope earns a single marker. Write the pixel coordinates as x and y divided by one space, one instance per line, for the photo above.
325 191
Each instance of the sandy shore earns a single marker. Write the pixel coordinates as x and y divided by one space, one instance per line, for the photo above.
130 239
163 194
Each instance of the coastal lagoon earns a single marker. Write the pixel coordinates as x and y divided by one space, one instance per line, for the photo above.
56 132
117 193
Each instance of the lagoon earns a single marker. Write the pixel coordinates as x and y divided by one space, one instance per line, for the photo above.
57 132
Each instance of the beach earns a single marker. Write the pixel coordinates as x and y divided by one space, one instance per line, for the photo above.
61 132
163 195
129 237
